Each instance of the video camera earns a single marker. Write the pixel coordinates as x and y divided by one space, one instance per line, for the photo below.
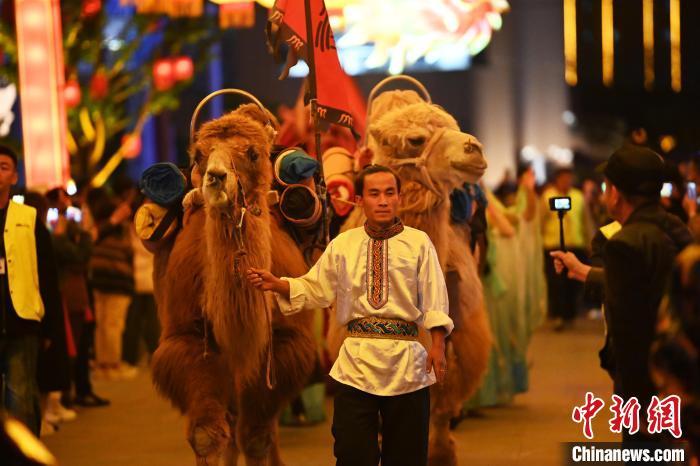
560 205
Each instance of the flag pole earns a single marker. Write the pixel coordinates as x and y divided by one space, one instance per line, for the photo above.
313 100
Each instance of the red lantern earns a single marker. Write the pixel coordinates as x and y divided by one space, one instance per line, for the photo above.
131 146
72 93
91 8
98 85
163 75
183 68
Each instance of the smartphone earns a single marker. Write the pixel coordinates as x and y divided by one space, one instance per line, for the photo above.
692 191
52 218
603 187
74 214
557 204
18 198
666 190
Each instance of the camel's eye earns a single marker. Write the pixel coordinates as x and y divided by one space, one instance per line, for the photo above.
252 154
416 141
471 147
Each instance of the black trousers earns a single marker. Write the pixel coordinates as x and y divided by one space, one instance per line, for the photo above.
84 336
564 295
404 428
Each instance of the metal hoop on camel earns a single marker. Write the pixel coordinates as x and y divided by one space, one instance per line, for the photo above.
204 101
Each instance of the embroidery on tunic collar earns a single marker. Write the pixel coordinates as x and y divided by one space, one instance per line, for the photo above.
384 233
378 262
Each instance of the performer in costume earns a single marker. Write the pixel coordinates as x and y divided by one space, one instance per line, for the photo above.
386 280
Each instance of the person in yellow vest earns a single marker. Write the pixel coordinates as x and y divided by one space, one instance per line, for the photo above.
563 294
26 291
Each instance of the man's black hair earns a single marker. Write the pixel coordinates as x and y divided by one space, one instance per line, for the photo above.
371 170
4 150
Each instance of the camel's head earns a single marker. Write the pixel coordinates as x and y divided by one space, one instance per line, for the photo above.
422 130
235 149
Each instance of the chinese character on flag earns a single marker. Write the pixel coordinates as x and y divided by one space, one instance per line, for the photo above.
665 415
587 412
625 415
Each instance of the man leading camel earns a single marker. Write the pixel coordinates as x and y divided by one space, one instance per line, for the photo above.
385 279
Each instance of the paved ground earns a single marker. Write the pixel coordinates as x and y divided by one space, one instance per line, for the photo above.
142 429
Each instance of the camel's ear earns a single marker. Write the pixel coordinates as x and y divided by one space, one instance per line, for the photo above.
376 132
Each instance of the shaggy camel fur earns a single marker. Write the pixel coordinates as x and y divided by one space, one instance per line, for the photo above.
402 127
211 359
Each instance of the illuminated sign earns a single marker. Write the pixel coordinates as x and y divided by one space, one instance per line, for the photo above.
41 77
398 35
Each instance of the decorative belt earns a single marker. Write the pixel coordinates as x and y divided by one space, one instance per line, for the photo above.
377 327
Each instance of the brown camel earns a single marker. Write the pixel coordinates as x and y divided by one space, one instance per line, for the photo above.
212 358
433 157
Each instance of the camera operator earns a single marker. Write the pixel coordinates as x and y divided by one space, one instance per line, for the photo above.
636 265
564 296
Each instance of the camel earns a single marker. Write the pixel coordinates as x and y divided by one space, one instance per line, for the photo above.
212 358
424 144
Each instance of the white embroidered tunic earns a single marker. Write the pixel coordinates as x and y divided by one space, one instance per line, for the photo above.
396 278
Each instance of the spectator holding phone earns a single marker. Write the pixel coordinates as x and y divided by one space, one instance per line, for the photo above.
73 246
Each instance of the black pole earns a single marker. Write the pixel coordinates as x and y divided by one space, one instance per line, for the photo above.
562 243
313 95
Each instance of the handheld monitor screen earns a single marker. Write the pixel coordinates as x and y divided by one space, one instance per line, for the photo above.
666 190
562 204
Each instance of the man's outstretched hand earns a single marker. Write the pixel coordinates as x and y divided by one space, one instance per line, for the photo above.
266 281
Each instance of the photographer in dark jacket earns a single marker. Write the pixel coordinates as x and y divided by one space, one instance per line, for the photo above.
636 266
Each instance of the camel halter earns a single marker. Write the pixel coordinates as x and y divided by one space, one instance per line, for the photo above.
255 210
238 233
421 162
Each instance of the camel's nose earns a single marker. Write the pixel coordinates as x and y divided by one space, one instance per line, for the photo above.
215 177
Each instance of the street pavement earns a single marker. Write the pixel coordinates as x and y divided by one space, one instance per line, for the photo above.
140 428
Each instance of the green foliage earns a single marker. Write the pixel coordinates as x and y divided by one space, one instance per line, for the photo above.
130 93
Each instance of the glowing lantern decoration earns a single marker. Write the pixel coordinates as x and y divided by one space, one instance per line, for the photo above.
163 74
131 146
236 13
99 85
41 77
91 8
72 93
183 68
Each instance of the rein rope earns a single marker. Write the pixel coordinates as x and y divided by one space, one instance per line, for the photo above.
237 235
421 162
